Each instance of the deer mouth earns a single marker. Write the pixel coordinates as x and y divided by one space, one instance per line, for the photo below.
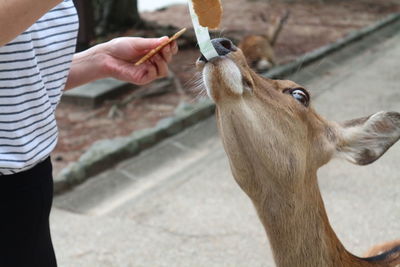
222 76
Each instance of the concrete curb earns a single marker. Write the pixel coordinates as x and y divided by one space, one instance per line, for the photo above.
107 153
95 93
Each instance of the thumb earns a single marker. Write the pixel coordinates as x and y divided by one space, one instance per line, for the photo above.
142 44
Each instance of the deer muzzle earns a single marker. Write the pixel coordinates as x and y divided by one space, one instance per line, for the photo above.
222 76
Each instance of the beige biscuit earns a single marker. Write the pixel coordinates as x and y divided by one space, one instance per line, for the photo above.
161 46
209 12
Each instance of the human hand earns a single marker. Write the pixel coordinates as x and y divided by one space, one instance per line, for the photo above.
117 58
120 54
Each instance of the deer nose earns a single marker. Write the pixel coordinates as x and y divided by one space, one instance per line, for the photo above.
223 46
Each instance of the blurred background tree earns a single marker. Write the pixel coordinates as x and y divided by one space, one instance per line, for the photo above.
99 17
110 15
102 19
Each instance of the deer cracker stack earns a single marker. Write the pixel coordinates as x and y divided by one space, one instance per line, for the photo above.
209 12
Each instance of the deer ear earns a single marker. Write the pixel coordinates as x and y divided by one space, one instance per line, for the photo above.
364 140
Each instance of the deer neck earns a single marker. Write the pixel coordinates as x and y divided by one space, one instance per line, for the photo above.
286 196
298 228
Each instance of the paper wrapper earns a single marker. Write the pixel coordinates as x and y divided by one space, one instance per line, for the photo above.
202 35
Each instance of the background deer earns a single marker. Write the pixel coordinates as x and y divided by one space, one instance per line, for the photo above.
276 142
258 49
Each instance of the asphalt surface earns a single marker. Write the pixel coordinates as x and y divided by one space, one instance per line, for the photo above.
178 205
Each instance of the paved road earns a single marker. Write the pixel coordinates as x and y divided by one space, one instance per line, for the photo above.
177 204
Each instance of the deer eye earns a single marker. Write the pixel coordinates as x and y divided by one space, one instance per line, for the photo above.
300 95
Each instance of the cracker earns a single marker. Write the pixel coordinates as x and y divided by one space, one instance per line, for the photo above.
161 46
209 12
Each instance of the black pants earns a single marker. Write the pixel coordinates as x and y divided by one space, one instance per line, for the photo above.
25 203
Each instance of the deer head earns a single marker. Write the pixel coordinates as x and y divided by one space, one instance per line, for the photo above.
270 130
276 141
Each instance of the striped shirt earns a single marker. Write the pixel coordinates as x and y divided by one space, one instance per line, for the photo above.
33 72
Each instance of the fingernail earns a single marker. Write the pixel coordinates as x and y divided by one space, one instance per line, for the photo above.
162 38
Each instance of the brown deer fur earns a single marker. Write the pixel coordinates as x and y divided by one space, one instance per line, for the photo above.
275 146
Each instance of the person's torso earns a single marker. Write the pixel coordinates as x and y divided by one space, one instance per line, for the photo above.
33 72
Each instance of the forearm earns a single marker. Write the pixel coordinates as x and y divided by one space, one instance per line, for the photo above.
18 15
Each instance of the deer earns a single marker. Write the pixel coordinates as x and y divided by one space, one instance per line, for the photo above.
275 142
259 48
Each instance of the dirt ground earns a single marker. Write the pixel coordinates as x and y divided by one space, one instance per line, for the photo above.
309 26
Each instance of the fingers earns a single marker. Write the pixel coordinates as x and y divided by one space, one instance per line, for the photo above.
161 65
168 51
145 44
120 62
174 48
157 66
152 74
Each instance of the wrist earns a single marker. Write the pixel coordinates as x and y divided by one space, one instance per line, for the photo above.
86 67
100 56
95 61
